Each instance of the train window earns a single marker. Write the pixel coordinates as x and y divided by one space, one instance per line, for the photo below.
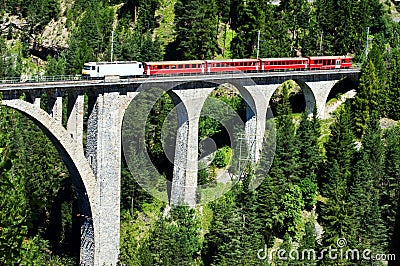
187 66
343 61
173 66
140 65
180 66
193 65
218 64
93 68
166 67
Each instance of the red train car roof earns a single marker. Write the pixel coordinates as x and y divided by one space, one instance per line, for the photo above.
160 63
284 59
329 57
231 60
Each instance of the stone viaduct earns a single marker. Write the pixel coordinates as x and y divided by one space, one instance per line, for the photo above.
95 171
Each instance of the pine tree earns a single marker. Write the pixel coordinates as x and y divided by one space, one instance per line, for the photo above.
393 93
280 187
335 215
376 56
175 239
275 40
195 28
391 185
297 16
366 99
222 245
16 245
327 20
56 65
309 159
286 149
365 190
250 15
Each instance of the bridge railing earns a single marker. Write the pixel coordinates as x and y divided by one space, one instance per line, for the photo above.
39 78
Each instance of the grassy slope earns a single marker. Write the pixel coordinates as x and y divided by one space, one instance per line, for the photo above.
165 32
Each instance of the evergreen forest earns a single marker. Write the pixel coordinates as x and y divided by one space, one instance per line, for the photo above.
331 180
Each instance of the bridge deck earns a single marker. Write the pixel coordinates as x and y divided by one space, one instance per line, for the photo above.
207 80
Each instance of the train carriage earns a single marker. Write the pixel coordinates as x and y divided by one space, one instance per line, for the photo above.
329 62
246 65
270 64
174 67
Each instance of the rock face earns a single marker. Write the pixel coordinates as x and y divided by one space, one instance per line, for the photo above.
51 40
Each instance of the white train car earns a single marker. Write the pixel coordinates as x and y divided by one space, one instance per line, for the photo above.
118 68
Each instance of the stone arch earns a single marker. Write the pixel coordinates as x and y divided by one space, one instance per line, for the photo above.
343 86
309 96
134 141
80 171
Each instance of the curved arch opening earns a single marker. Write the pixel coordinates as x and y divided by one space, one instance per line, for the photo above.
340 92
223 105
56 194
299 95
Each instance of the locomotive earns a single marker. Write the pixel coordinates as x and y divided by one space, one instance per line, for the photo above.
145 69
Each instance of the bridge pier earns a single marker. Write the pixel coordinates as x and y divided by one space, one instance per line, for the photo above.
103 151
54 107
320 91
75 112
184 183
257 103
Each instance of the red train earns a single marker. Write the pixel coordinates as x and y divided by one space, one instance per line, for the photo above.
247 65
122 69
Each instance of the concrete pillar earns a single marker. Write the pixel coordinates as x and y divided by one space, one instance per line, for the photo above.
257 102
75 112
321 90
54 107
33 98
103 151
184 182
125 101
36 102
